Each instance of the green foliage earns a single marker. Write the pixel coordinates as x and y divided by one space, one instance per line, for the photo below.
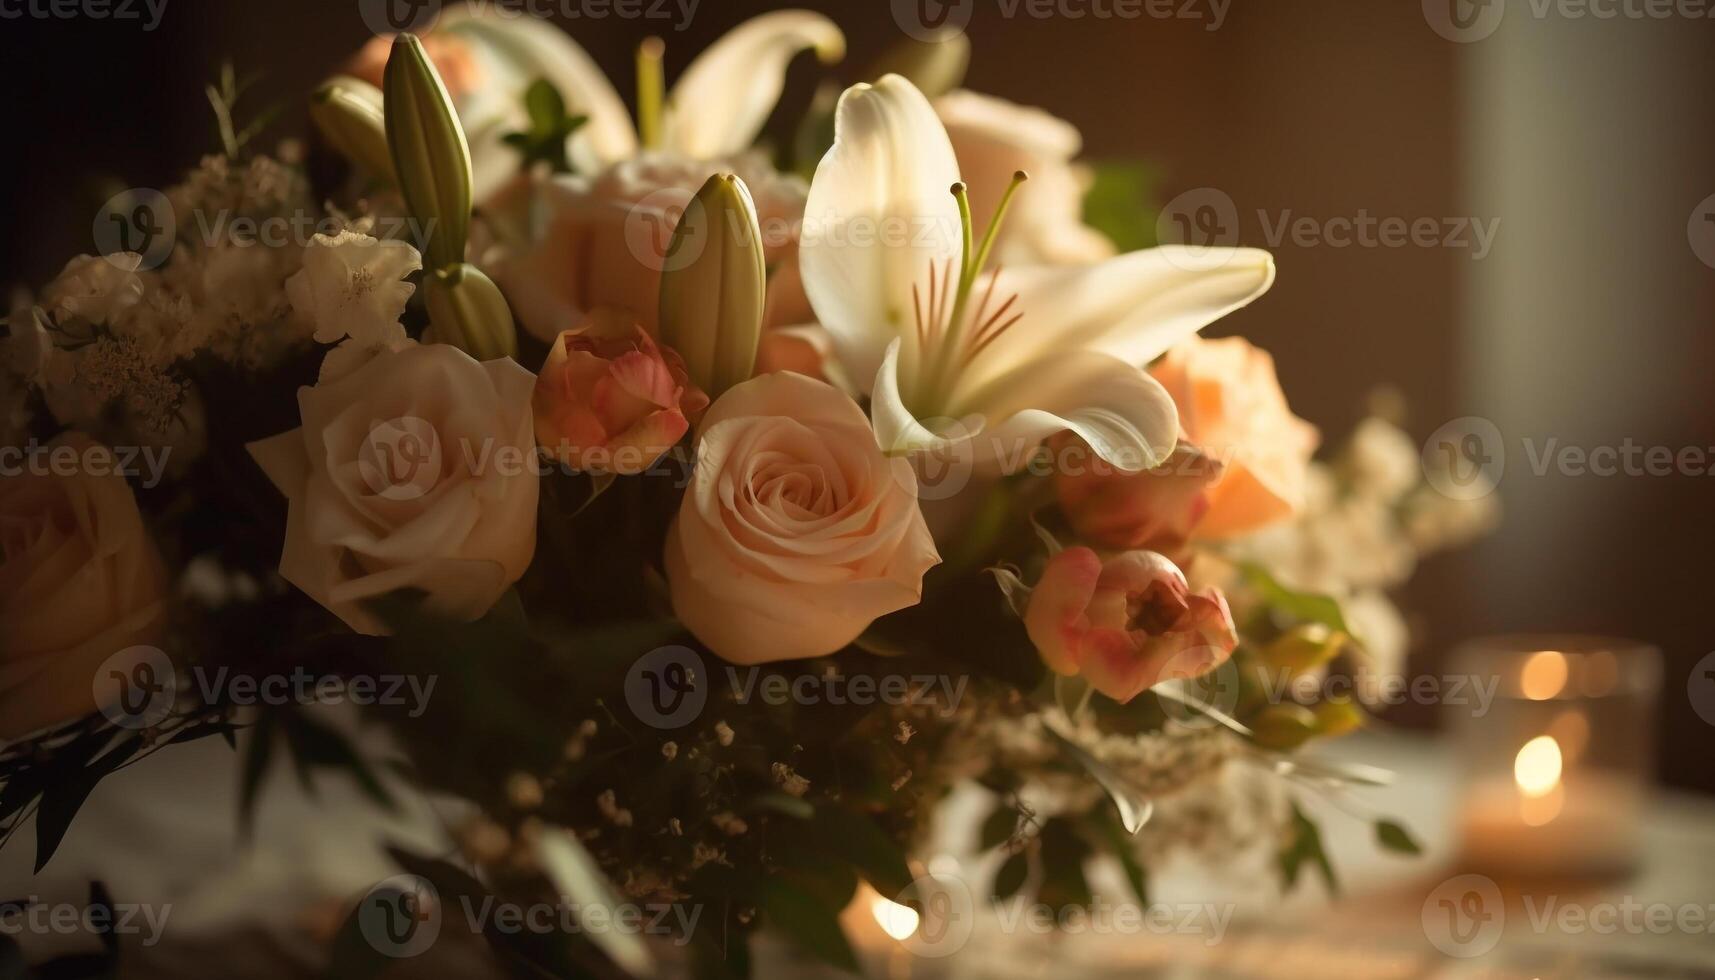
1118 204
550 127
1392 836
1303 607
1306 845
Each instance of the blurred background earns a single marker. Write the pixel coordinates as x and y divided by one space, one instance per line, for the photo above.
1580 319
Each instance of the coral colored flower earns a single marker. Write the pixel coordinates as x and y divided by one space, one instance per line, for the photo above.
609 399
1230 404
1126 624
1156 509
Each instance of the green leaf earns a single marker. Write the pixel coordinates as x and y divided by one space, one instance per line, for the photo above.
1306 845
256 759
575 873
1064 852
811 926
550 127
857 839
1303 606
62 799
1118 204
1134 808
1010 878
999 828
1394 837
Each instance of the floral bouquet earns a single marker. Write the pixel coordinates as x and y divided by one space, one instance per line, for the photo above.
692 514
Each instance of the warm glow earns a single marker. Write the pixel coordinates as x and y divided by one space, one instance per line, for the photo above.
1572 731
1537 768
898 921
1544 675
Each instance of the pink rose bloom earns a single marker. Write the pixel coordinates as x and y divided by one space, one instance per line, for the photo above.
1157 509
796 531
1231 405
1127 624
609 399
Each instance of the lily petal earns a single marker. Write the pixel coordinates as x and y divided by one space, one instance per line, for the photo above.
1125 415
878 217
721 101
1134 306
529 48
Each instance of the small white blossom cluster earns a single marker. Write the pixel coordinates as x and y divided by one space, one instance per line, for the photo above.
1369 517
108 338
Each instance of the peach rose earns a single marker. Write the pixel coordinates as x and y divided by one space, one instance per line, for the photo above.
796 532
1156 510
1231 405
611 400
415 470
1128 624
80 581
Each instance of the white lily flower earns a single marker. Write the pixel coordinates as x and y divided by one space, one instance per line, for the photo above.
991 364
716 108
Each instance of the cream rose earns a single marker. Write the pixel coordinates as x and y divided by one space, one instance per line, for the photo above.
80 581
796 532
415 470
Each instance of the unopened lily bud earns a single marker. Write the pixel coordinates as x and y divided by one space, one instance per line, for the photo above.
467 311
1304 647
713 286
935 65
1283 727
348 112
430 156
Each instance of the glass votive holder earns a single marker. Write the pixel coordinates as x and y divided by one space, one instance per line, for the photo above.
1556 761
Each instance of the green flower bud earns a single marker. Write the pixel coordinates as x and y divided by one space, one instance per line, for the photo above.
712 286
430 156
348 112
1302 648
467 311
935 66
1282 727
1338 716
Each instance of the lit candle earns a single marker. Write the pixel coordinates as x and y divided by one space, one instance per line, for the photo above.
1555 766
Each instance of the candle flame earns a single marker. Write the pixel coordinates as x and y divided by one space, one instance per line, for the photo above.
1537 767
898 921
